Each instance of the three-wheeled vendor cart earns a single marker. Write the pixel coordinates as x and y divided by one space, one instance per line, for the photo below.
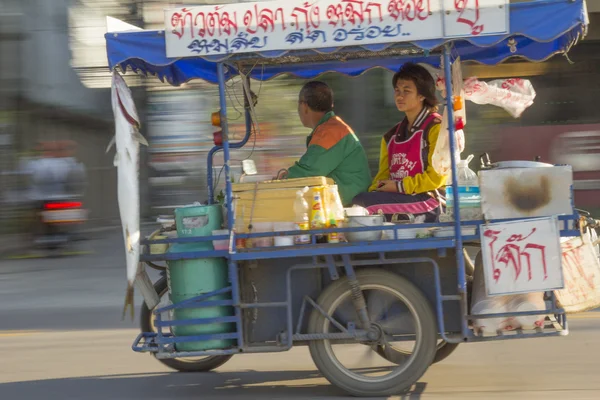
406 300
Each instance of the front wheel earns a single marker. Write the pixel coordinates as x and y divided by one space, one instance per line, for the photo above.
402 315
188 364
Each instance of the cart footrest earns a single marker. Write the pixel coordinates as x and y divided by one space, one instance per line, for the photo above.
164 346
145 343
553 326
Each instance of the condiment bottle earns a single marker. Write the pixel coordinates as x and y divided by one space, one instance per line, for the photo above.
333 237
317 215
302 222
335 213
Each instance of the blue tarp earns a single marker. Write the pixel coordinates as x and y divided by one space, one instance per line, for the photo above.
539 30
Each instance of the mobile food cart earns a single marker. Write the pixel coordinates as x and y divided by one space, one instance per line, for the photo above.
379 294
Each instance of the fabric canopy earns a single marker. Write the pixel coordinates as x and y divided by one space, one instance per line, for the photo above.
539 30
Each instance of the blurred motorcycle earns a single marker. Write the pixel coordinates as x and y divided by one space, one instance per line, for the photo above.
59 222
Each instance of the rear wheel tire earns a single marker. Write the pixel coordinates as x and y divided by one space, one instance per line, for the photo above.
419 360
203 364
443 351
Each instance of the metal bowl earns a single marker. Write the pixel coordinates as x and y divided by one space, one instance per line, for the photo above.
361 222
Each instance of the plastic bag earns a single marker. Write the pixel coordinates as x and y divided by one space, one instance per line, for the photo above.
581 270
514 95
441 161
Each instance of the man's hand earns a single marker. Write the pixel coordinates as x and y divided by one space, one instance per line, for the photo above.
387 186
282 174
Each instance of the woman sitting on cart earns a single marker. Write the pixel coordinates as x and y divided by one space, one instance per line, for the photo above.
406 182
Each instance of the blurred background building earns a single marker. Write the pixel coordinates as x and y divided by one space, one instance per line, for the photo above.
54 84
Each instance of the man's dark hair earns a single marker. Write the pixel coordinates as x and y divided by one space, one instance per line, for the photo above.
422 80
318 96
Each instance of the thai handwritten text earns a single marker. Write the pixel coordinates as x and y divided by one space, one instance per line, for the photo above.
190 23
409 10
512 253
469 13
311 15
217 46
582 279
313 37
264 19
353 12
372 32
323 23
202 24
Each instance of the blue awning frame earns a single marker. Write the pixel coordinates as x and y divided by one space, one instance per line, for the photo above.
540 29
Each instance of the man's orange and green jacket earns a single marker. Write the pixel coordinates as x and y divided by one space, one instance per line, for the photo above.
334 151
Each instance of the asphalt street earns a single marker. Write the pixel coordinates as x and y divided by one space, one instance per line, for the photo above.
62 337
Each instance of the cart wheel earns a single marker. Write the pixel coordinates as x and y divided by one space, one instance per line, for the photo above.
443 350
396 308
188 364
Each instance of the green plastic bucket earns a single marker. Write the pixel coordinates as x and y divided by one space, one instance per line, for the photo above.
192 278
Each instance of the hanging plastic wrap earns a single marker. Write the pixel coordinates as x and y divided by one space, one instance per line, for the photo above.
514 95
441 161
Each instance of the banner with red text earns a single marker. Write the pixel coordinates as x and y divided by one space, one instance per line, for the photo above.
522 256
582 276
300 24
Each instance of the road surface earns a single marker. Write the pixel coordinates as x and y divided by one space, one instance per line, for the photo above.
61 337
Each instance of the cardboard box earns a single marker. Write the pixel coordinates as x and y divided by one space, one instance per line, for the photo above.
273 201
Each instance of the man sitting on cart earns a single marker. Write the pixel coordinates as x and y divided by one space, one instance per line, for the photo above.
333 150
407 182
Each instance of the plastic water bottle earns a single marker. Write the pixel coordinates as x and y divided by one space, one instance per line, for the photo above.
302 221
468 192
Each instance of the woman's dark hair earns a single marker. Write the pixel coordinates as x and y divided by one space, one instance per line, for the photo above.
422 80
318 96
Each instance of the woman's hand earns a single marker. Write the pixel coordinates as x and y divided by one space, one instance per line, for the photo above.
387 186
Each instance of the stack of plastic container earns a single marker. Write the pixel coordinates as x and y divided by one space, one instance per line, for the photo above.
483 304
468 194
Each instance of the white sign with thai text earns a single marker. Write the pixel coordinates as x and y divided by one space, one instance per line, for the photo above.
464 18
522 256
296 24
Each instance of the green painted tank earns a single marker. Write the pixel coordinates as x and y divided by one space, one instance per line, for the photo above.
191 278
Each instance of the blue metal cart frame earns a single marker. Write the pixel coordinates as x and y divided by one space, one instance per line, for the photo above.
565 22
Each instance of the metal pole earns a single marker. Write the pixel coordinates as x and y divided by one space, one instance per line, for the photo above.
460 260
209 173
225 128
237 145
233 270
